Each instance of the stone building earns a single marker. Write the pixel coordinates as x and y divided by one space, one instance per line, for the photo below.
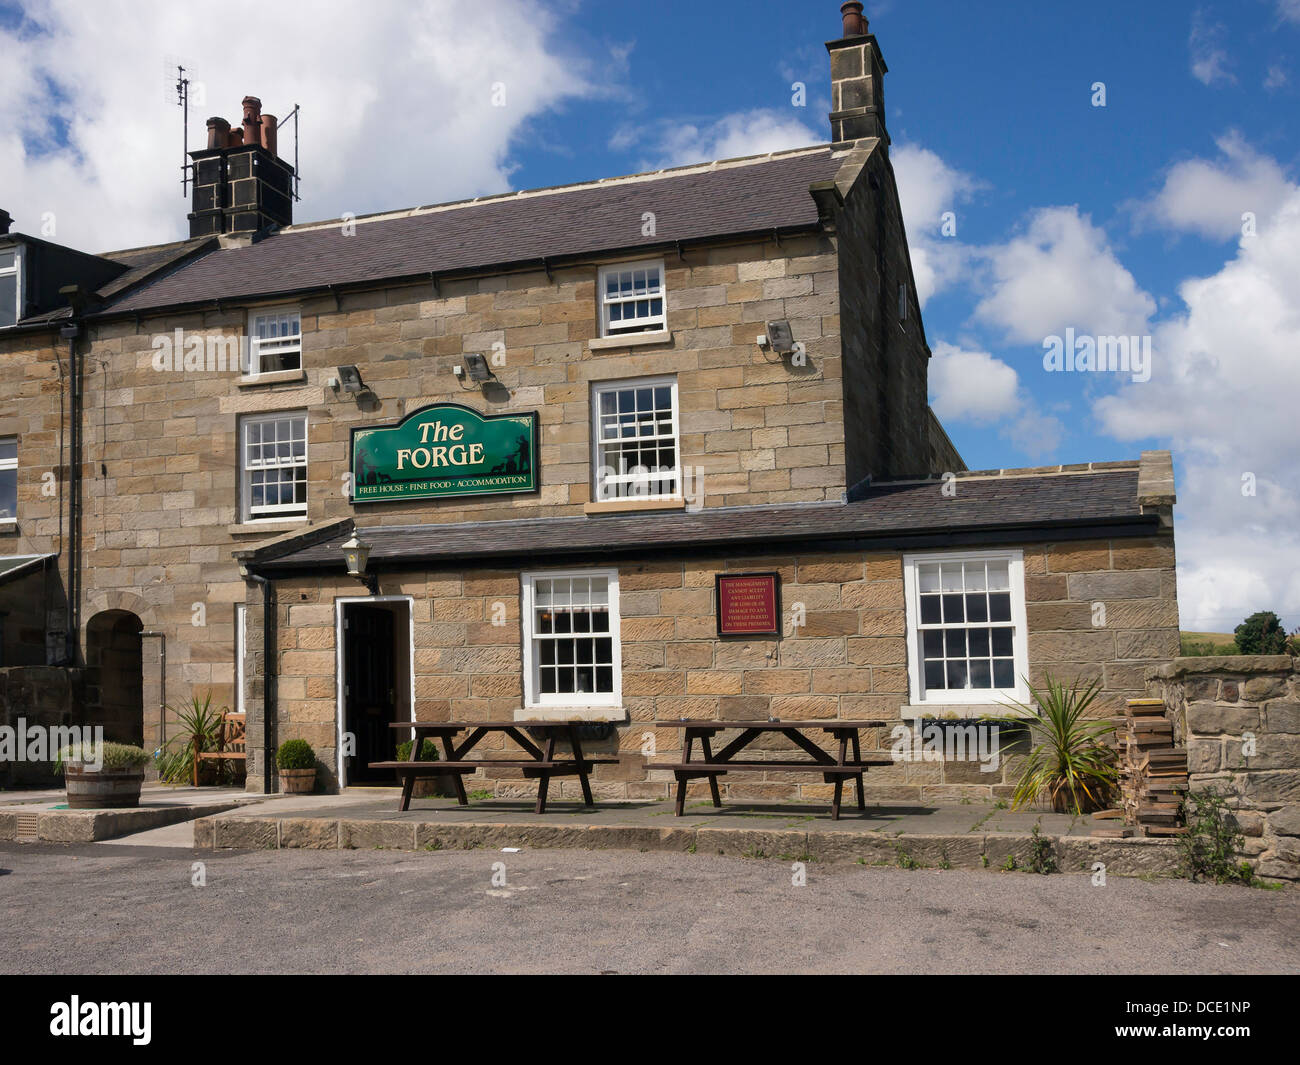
555 418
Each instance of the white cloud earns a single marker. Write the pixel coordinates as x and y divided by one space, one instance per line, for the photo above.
928 187
1226 374
1061 272
979 388
1289 10
1208 57
397 103
1209 197
1275 77
669 143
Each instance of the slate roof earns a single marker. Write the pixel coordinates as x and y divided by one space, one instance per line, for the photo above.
982 507
734 198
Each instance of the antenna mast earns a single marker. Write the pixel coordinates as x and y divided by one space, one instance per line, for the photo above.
183 102
294 115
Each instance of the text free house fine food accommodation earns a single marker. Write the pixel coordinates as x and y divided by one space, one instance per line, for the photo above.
562 429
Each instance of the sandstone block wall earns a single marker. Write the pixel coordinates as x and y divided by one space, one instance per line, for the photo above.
1239 717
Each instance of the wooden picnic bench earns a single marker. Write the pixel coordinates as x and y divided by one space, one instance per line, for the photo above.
834 770
231 743
540 763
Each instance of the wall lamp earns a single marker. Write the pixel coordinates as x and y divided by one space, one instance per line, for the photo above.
476 368
356 553
348 379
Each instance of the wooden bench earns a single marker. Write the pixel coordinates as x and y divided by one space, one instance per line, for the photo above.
231 744
540 763
834 770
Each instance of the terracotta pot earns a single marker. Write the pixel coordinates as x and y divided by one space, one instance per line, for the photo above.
102 789
297 781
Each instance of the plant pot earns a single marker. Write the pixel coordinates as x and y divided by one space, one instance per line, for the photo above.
102 789
297 781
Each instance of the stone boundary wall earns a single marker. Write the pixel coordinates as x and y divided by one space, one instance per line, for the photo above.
1239 718
45 696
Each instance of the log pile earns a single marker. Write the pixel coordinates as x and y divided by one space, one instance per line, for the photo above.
1152 775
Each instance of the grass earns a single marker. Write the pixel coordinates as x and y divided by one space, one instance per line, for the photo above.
1204 644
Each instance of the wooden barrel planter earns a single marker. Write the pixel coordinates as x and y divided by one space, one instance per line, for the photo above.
297 781
90 789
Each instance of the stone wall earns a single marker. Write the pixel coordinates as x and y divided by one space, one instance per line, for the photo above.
848 661
1239 718
42 696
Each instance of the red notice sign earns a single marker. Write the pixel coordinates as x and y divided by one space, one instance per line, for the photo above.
749 604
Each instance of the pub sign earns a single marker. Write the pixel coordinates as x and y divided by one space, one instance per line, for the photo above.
445 450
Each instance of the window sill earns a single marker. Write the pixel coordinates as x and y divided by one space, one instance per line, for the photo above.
8 526
630 506
265 528
630 340
276 377
602 715
963 711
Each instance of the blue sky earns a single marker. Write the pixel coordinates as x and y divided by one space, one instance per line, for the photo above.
1118 219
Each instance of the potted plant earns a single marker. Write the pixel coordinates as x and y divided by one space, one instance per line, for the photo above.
1069 765
441 785
297 763
103 777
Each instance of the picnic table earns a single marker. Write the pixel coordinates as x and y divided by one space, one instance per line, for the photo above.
540 762
834 770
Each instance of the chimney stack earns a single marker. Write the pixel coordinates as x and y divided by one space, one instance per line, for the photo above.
5 222
857 80
241 185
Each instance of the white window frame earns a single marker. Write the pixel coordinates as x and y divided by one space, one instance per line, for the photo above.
241 655
5 466
653 323
1019 639
17 271
601 486
277 347
280 511
533 699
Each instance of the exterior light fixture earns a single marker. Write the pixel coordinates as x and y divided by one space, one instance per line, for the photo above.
348 379
780 337
356 553
477 368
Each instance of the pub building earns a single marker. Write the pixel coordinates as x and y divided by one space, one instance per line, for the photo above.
529 458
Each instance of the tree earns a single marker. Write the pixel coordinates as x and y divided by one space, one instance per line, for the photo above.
1261 634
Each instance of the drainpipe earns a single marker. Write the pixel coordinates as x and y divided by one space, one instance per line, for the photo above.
268 675
70 332
162 684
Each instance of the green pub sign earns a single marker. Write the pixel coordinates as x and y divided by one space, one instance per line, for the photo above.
442 451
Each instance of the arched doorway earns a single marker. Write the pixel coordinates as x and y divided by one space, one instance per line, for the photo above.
115 676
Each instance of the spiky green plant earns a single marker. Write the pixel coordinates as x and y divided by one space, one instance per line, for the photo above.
200 727
1069 763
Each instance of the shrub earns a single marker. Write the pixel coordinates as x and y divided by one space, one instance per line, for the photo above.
1261 634
1069 762
112 755
295 754
428 751
1210 848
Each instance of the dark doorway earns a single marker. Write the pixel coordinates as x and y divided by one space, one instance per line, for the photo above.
373 686
115 676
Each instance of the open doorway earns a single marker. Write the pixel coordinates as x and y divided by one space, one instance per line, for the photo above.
376 685
115 676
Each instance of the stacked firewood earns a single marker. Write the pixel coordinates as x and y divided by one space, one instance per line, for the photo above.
1152 775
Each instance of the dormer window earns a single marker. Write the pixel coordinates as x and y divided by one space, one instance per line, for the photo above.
11 296
274 341
632 299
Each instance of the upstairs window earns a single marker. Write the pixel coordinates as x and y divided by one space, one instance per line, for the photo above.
632 299
8 480
274 341
638 455
11 306
273 467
